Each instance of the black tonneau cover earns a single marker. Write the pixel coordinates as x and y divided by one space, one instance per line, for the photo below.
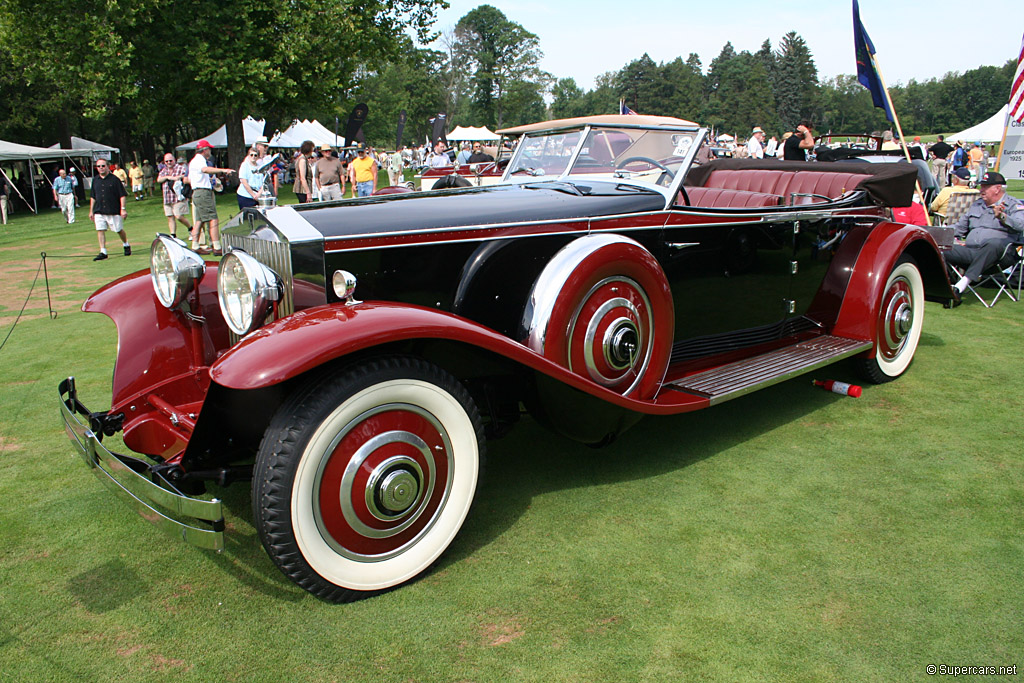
889 184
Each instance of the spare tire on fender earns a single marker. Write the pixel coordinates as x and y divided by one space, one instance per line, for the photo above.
602 308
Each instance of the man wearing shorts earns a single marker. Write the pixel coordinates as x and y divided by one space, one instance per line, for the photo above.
106 208
175 208
200 175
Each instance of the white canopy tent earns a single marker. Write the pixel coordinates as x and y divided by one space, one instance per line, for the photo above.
251 129
83 144
990 130
31 156
471 134
300 131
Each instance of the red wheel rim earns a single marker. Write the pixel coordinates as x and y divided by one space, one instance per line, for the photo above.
896 317
384 482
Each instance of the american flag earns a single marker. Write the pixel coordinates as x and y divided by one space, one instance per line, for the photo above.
1017 89
623 109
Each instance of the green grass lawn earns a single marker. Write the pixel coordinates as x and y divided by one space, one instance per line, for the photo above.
788 535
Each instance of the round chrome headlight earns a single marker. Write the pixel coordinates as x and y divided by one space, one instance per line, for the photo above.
245 289
175 270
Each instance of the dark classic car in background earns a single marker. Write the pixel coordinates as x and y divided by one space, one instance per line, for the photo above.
607 277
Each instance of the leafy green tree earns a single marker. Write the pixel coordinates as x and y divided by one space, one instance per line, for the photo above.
567 99
637 84
504 58
794 81
742 96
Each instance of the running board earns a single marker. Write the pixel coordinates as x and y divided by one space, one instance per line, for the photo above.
742 377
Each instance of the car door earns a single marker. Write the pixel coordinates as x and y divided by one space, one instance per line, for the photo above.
731 275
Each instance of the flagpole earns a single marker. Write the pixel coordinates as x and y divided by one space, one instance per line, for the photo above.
899 130
1002 141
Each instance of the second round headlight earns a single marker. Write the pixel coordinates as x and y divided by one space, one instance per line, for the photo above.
245 288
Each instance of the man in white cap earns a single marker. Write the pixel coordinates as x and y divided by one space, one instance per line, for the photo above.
755 145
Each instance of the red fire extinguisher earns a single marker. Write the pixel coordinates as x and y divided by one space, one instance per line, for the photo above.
841 388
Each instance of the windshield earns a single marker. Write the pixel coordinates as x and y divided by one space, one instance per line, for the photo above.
643 155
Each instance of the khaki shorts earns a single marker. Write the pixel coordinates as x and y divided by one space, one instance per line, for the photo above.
176 210
205 203
115 223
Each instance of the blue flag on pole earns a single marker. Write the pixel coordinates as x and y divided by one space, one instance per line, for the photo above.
866 73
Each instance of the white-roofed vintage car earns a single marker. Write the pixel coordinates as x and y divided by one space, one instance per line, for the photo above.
610 275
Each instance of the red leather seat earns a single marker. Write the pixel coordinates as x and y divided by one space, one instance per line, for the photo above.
782 183
716 197
831 185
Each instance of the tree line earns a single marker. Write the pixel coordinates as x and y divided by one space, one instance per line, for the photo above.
148 75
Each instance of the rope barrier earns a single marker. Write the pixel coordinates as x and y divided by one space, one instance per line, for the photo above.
49 304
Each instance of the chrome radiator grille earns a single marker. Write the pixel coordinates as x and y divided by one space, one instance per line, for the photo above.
277 257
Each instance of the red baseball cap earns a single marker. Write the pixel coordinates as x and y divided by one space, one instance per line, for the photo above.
203 144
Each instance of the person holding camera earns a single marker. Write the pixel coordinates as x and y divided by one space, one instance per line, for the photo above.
796 145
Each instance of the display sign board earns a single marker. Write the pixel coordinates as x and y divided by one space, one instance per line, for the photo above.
1011 162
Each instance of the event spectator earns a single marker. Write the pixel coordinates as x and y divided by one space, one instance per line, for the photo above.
479 156
175 205
120 174
396 162
920 146
64 195
106 208
755 146
888 144
364 172
4 193
200 177
988 226
960 158
974 156
250 183
328 175
911 215
463 155
961 183
148 177
439 157
79 190
939 153
303 186
772 148
795 147
135 176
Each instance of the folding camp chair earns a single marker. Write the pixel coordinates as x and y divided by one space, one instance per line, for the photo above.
1003 274
958 204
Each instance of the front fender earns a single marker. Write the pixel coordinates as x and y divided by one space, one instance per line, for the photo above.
858 315
301 342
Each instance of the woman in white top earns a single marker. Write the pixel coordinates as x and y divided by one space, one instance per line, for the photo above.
250 183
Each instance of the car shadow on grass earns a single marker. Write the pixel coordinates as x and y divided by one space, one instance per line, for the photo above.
533 461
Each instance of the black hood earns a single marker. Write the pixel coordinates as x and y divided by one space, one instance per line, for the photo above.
495 204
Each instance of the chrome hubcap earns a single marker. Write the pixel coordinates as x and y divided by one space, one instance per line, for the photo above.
620 344
393 487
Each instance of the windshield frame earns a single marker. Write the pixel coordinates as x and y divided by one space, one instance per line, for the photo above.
669 192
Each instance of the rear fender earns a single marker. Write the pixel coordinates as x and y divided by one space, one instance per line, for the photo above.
858 315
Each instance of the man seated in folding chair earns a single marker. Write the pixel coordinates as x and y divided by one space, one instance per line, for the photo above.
990 225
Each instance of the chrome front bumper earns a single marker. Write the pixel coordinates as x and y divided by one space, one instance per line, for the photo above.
157 504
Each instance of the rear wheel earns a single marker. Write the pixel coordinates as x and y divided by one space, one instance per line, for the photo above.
900 318
364 478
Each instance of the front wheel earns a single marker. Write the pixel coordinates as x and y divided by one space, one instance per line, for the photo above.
363 478
900 318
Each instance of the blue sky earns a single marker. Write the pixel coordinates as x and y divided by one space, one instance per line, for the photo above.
582 39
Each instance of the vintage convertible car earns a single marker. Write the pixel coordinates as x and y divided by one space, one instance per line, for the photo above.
608 276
